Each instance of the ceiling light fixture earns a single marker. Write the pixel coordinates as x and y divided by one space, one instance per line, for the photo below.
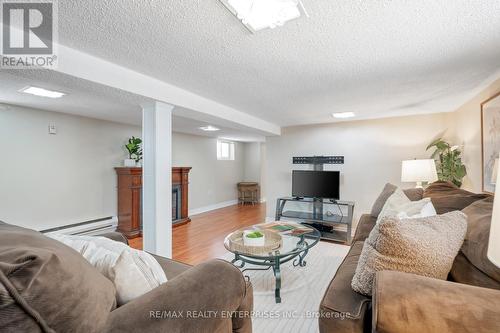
343 115
42 92
261 14
209 128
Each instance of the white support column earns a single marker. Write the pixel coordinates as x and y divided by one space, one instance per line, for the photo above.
157 178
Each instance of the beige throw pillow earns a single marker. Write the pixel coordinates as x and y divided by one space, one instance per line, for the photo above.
398 204
414 194
425 246
133 272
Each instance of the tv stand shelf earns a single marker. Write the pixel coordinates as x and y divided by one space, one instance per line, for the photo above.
333 219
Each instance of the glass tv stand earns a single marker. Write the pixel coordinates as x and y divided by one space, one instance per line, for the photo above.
332 218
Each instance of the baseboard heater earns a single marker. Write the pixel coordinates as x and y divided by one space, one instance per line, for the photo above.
92 227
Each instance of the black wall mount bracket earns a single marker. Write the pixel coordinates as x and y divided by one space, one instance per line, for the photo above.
318 160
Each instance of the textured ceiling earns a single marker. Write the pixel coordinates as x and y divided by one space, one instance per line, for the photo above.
83 98
376 58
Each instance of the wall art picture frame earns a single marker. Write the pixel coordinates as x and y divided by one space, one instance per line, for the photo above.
490 140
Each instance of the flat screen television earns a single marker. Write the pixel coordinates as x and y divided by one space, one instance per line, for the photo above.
316 184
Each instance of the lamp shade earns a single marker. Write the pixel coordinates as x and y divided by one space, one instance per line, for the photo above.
419 171
494 242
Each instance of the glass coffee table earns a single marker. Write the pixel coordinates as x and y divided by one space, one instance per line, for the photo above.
293 247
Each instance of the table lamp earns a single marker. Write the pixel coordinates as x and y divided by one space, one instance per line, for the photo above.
494 241
419 171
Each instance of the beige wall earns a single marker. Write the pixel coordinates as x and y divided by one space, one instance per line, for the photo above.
254 165
53 180
263 172
373 151
212 182
252 161
467 131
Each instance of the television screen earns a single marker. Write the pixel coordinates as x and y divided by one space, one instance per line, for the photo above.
316 184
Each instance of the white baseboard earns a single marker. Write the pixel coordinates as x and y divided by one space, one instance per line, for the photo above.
208 208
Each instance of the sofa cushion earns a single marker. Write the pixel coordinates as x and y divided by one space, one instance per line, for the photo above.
425 246
414 194
342 309
47 286
415 304
365 225
475 246
463 271
379 203
447 197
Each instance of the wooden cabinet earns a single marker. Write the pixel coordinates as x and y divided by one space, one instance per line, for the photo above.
130 199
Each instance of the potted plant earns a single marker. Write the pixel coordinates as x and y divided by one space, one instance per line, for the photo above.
134 152
448 162
253 238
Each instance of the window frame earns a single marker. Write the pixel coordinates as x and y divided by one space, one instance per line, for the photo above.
231 150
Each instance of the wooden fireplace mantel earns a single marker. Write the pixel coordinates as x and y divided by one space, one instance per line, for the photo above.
129 186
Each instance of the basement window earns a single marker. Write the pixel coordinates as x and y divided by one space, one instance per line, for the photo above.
225 150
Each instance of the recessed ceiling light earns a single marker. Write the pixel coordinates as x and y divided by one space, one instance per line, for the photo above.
343 115
209 128
42 92
261 14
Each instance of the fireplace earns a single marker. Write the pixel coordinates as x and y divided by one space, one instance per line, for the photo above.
176 203
129 187
180 188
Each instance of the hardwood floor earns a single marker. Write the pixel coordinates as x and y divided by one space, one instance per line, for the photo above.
203 238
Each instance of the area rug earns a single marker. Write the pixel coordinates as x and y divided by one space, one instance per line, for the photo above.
301 292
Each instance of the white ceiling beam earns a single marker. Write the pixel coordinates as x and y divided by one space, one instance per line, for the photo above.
79 64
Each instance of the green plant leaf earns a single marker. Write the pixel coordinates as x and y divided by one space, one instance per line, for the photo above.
433 144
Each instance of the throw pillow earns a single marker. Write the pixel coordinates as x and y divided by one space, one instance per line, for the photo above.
47 286
427 210
398 204
133 272
425 246
414 194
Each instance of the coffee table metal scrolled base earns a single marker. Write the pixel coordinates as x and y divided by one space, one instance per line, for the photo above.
275 259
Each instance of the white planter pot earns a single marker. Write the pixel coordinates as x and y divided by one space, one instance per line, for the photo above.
261 241
129 163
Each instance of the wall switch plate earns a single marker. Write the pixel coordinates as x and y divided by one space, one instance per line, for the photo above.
52 129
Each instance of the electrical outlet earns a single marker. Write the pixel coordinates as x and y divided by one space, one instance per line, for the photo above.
52 129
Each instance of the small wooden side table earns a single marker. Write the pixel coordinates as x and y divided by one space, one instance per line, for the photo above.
248 192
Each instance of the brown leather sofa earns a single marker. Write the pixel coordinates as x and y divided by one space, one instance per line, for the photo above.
46 286
468 302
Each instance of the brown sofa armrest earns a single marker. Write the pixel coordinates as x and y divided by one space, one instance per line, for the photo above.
410 303
202 299
116 236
